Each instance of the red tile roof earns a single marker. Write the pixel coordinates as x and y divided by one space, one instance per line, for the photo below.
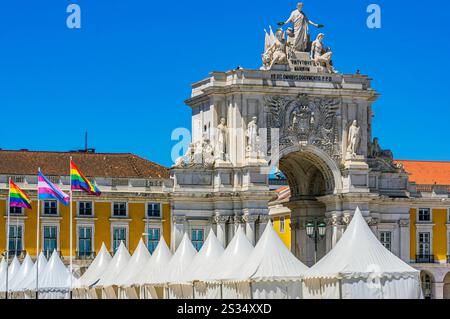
91 164
427 172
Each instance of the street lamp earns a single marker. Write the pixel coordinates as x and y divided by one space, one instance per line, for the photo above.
316 231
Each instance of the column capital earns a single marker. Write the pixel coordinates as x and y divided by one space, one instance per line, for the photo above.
404 223
179 219
220 219
334 221
250 219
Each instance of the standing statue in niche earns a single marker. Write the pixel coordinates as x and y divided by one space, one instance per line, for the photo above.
222 140
252 136
320 55
301 23
354 139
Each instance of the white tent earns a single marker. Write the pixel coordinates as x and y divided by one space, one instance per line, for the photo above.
28 285
55 281
13 269
24 270
107 282
198 271
136 264
92 275
228 264
179 263
3 270
152 278
360 267
271 270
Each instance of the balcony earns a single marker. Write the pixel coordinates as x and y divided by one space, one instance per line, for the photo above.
18 253
83 255
424 259
49 253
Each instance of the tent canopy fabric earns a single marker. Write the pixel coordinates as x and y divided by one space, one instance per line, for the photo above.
359 254
29 282
232 259
24 270
135 265
155 270
13 269
96 269
199 269
115 267
56 277
269 261
180 261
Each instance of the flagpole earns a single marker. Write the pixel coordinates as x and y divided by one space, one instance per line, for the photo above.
7 236
71 229
37 239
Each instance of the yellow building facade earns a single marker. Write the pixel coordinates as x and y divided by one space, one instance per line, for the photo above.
134 205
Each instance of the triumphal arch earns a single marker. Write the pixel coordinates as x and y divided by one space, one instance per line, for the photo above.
299 115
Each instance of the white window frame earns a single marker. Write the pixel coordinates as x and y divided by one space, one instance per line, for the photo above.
418 214
58 212
126 207
283 222
120 225
92 208
14 223
86 225
391 237
160 210
153 226
58 235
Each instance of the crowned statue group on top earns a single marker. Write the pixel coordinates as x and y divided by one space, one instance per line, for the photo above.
285 45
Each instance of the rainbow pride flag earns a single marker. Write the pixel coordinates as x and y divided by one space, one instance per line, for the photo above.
17 197
80 182
46 191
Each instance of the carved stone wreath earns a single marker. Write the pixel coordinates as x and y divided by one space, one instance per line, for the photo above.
305 121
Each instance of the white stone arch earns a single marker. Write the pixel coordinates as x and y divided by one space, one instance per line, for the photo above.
446 292
317 157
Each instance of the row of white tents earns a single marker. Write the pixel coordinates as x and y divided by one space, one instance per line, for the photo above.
359 267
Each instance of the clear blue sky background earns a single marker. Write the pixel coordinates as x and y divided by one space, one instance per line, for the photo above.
125 74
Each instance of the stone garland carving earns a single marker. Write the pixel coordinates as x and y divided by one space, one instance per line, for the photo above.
305 121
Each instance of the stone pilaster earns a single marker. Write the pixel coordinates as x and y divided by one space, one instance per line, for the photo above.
221 231
405 244
179 229
250 227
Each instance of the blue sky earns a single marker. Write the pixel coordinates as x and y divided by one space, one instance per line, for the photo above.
125 74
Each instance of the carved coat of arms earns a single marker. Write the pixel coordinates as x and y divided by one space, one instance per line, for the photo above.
305 121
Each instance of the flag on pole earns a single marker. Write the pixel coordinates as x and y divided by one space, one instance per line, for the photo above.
46 190
17 197
80 182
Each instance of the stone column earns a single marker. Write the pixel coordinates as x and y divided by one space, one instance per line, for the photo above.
335 229
295 247
262 224
405 240
373 224
221 233
250 223
178 223
438 290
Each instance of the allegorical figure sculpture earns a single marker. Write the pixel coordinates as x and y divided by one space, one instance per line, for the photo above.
301 23
222 140
320 55
252 136
354 138
276 53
